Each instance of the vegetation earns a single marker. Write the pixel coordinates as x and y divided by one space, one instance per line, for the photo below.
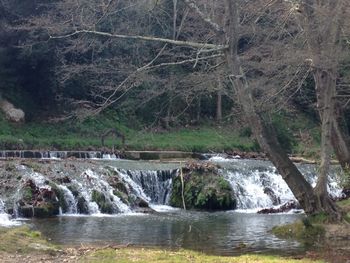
19 243
103 204
24 240
149 61
207 137
158 255
304 231
203 190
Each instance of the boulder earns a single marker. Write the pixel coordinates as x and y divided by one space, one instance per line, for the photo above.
11 113
37 202
282 209
204 189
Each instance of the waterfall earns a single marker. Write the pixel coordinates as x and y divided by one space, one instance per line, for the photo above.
101 188
257 184
69 199
256 189
155 184
5 219
135 188
92 182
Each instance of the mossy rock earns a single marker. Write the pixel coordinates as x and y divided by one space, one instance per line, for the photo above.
103 204
60 196
82 206
43 211
27 194
122 196
204 190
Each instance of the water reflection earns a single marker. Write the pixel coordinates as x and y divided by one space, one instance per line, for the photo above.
218 233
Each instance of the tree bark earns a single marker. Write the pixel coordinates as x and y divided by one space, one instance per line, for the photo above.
341 138
219 102
263 130
325 81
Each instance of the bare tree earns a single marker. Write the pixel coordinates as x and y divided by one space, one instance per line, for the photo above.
246 70
325 24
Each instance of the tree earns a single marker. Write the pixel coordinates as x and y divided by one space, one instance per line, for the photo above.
312 200
244 69
325 24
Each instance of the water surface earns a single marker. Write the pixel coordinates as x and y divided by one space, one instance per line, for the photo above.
224 233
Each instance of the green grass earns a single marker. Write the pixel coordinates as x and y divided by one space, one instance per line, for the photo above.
126 255
23 240
86 135
344 203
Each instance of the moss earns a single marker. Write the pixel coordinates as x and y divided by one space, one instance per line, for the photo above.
27 193
100 199
60 196
203 190
304 231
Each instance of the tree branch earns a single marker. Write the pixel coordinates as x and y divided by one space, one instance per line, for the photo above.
205 18
144 38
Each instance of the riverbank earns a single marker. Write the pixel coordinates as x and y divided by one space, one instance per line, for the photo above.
299 136
24 245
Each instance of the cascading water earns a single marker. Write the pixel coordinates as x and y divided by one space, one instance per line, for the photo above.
156 185
98 188
257 184
94 182
95 190
69 199
5 219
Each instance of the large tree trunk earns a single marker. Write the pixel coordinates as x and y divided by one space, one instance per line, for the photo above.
325 89
263 130
341 138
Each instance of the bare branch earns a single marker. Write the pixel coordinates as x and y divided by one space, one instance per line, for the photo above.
145 38
205 18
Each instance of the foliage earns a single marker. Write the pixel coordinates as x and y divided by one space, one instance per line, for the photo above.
203 190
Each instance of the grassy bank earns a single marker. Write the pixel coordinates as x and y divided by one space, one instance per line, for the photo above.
326 239
87 136
207 137
22 240
23 245
157 255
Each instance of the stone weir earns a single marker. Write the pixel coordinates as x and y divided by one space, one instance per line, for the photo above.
132 155
52 154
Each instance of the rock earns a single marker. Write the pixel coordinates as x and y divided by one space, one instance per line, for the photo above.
204 189
103 204
141 203
82 206
11 113
275 200
37 202
282 209
145 210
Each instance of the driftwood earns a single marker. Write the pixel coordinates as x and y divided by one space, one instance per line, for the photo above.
111 132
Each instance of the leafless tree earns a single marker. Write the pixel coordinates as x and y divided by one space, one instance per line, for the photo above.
255 69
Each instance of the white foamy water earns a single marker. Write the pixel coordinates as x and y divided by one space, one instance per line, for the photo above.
251 189
5 219
163 208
